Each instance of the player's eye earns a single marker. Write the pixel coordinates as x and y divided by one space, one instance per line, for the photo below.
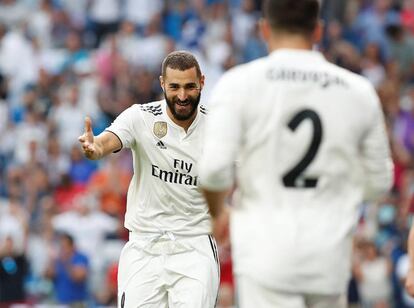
191 87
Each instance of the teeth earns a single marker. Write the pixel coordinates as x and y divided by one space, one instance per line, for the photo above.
183 103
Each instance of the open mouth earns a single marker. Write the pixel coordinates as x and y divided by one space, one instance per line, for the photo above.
183 103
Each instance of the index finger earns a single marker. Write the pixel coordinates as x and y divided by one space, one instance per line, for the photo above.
88 125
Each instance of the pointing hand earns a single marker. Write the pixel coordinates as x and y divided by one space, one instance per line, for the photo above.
87 140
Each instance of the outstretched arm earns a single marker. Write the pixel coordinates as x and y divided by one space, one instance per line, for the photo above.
96 147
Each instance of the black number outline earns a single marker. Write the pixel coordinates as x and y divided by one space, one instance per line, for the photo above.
290 178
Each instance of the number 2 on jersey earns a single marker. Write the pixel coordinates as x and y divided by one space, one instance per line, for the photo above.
293 178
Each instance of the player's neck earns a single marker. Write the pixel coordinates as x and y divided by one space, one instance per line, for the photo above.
289 41
185 124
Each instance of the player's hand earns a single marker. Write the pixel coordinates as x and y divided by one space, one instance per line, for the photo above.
87 141
221 226
409 282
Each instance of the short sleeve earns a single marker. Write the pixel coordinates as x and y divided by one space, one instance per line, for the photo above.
124 126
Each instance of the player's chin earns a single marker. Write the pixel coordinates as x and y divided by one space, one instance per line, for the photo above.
184 113
182 116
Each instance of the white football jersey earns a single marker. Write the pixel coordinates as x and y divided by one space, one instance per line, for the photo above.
310 143
163 195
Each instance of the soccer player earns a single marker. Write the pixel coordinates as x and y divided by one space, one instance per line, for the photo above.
170 259
310 143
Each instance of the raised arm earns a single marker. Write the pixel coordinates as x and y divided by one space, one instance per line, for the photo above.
96 147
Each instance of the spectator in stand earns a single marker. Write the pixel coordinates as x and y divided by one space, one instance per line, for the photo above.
81 169
373 273
13 271
371 23
142 12
67 116
90 228
105 16
372 64
401 44
48 45
109 294
109 185
69 272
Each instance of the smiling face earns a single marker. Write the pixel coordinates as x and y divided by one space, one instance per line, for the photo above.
182 91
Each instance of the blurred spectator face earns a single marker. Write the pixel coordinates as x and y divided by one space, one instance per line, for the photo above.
372 51
73 95
248 6
73 42
124 98
370 251
334 30
382 5
7 2
7 248
40 179
30 97
76 154
14 183
53 147
45 4
182 91
154 26
144 81
408 5
66 246
127 27
43 78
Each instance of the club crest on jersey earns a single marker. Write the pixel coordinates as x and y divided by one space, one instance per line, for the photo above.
160 129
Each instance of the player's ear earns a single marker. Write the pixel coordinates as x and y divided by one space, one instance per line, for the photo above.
265 29
202 78
318 32
162 83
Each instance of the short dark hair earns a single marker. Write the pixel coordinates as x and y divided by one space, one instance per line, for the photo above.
180 60
292 16
68 237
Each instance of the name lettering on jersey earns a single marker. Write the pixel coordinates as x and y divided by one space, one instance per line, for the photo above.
186 167
324 79
175 176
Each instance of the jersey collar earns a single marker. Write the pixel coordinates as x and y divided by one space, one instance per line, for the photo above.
285 53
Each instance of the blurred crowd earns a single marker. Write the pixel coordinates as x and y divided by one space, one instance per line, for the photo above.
61 216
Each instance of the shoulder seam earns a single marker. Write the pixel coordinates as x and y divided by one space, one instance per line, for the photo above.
155 110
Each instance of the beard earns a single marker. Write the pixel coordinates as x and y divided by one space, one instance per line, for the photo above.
183 116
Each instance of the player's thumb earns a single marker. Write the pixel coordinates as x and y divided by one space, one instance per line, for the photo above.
88 125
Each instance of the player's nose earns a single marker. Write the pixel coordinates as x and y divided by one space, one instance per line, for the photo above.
182 94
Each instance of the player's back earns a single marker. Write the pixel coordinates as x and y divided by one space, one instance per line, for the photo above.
308 128
305 120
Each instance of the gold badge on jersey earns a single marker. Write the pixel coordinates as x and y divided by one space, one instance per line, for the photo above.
160 129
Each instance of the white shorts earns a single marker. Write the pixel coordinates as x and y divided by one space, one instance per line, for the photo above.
251 294
164 271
